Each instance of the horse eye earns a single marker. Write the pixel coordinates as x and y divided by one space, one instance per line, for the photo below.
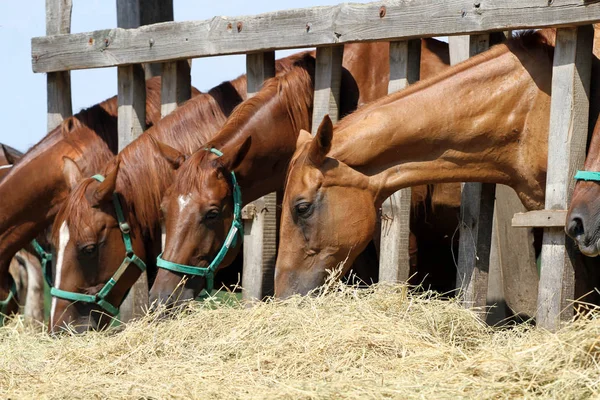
303 209
211 215
89 249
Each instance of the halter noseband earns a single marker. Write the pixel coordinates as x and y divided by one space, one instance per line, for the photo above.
130 258
236 230
587 176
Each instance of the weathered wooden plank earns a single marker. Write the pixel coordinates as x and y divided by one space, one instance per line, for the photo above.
328 79
477 216
260 230
394 259
131 123
310 27
540 218
58 84
176 85
515 256
569 112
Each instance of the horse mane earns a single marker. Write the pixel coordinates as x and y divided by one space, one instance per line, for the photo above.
82 130
533 43
144 175
291 89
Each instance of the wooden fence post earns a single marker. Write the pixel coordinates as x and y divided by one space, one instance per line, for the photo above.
260 216
328 80
132 116
176 85
58 20
394 259
476 210
569 112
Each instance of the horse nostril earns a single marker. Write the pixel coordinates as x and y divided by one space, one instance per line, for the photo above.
575 227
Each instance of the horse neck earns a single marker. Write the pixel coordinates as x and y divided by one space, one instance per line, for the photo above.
273 123
35 188
186 129
485 121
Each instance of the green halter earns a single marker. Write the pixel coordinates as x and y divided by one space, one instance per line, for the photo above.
45 257
237 229
587 176
130 258
3 303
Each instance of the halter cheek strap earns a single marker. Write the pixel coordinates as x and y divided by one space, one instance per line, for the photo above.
130 258
592 176
236 231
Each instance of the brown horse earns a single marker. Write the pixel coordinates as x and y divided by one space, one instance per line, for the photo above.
583 219
257 143
25 268
8 157
90 138
86 232
494 130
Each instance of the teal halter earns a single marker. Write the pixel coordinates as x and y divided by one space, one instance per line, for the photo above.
587 176
3 303
236 230
130 258
45 258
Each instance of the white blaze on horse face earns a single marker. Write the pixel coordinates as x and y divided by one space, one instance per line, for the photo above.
63 240
183 201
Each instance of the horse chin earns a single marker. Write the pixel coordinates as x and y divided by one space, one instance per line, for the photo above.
591 250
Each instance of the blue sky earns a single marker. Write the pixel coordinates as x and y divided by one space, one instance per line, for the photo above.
23 100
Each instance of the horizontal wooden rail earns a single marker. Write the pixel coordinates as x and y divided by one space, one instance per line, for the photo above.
540 218
309 27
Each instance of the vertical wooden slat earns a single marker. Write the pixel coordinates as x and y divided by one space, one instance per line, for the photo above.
515 263
58 20
477 211
569 113
260 226
328 79
176 85
394 260
132 114
132 123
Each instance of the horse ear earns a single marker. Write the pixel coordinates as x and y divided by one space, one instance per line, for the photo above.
71 172
105 189
303 137
10 158
173 156
238 154
321 144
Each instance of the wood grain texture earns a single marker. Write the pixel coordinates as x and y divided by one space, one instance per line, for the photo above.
569 112
328 80
176 85
476 214
58 84
540 218
309 27
394 259
260 228
131 123
516 256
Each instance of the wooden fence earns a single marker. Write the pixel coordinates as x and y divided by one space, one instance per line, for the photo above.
328 28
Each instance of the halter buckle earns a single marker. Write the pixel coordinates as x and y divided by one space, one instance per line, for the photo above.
124 227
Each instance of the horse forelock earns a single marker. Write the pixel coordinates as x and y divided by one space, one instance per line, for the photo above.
75 211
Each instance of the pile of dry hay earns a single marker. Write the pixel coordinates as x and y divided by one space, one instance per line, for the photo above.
350 343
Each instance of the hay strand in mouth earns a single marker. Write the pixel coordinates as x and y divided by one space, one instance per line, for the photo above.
381 342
